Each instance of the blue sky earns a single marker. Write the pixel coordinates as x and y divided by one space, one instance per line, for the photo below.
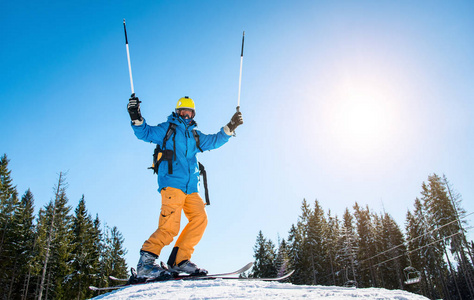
343 101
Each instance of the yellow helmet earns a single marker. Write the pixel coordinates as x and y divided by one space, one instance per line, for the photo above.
186 102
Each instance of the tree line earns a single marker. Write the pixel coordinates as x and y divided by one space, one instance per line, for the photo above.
365 249
57 253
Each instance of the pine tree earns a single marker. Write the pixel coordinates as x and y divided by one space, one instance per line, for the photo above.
282 261
264 254
316 244
426 242
113 261
295 253
21 245
392 252
84 253
347 250
56 231
299 251
441 212
366 246
42 247
8 200
381 259
100 277
417 241
8 205
332 236
460 246
440 217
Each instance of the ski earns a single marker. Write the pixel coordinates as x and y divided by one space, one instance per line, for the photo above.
225 277
178 277
280 278
241 270
109 288
283 277
117 279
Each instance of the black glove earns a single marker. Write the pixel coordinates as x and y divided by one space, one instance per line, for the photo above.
235 121
134 108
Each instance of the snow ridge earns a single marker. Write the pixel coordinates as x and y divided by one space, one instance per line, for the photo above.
225 289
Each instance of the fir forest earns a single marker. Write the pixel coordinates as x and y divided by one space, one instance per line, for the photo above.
366 249
58 253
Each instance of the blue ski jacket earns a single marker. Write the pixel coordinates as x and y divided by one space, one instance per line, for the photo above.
185 167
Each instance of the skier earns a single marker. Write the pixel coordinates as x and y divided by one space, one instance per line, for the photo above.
178 180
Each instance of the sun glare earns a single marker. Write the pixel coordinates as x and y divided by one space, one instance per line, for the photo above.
360 120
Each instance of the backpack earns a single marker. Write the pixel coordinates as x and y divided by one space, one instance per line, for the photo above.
161 153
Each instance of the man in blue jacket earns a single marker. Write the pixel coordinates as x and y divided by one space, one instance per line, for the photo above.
178 181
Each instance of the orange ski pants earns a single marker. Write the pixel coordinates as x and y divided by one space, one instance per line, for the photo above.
173 201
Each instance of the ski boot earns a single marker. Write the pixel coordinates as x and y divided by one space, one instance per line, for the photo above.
187 267
147 268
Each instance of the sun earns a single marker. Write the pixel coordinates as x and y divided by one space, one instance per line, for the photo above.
360 120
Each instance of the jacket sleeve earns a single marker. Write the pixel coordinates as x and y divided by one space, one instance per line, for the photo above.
213 141
147 133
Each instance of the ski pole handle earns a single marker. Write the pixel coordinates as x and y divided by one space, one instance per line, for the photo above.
128 57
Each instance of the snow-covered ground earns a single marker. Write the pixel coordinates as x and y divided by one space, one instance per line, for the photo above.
227 289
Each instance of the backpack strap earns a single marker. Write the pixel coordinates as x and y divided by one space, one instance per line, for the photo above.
171 131
202 171
196 137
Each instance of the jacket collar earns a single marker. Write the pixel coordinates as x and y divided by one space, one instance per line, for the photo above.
175 119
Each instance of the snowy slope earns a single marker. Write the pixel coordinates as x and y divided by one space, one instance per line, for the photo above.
227 289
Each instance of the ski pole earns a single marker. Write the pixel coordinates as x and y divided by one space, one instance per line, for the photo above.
128 56
240 75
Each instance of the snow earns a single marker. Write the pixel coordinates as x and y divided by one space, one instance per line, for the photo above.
233 289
